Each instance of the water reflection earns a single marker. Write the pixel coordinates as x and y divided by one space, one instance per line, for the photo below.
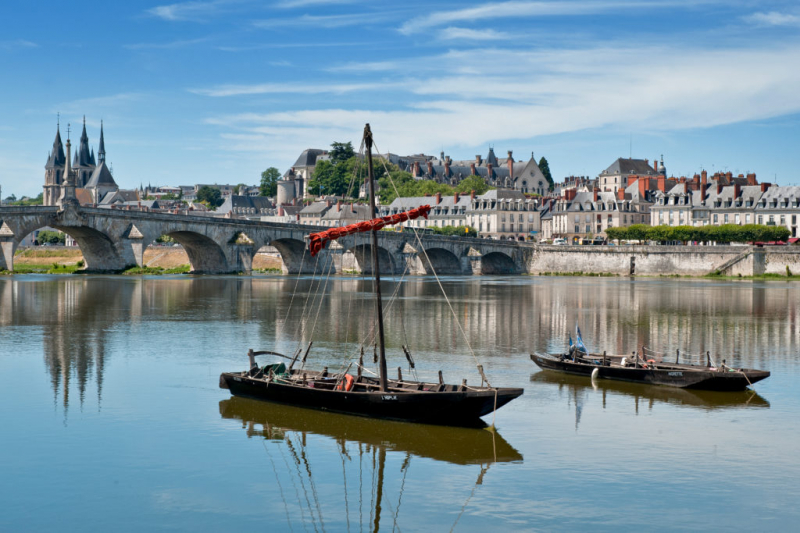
375 458
580 390
753 325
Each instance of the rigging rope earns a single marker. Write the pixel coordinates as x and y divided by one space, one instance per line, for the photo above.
433 270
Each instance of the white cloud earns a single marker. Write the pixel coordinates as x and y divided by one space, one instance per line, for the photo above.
19 43
193 11
454 33
290 88
534 93
320 21
524 9
773 18
291 4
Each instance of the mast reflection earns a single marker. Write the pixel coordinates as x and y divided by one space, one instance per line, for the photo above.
375 457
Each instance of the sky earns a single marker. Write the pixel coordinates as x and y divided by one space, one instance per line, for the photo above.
217 91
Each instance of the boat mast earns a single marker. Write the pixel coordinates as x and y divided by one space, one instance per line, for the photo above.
375 264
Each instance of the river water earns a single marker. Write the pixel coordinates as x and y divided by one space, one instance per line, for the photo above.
111 417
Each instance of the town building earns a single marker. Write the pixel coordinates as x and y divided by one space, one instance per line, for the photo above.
615 176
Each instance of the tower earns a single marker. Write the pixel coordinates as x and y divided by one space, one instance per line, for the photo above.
54 170
68 188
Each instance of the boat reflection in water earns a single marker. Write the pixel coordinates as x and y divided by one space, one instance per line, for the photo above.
375 457
580 387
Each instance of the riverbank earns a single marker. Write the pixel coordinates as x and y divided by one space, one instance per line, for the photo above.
157 260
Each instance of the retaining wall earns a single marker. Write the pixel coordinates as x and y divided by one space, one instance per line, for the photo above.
665 260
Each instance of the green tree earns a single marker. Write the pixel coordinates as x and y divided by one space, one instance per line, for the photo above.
51 237
544 166
638 232
341 152
473 183
616 233
210 196
269 182
457 231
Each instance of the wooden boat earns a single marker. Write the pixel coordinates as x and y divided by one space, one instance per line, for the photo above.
643 394
634 368
400 399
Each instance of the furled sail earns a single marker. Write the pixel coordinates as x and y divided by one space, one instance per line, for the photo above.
318 241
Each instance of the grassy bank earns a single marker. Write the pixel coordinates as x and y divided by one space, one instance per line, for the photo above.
146 270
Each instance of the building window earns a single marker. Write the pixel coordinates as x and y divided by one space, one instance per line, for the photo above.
736 219
716 218
760 219
747 218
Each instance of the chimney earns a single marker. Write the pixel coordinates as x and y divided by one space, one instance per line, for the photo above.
416 169
764 187
729 175
620 194
472 169
719 187
328 203
751 179
472 194
456 198
737 190
647 162
338 207
438 198
430 169
489 166
510 163
631 180
280 211
661 183
478 160
595 193
644 186
569 194
703 177
447 167
655 164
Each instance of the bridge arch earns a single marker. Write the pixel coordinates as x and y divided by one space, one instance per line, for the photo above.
495 263
441 261
205 254
363 255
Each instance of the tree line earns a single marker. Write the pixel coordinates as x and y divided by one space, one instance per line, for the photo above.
724 234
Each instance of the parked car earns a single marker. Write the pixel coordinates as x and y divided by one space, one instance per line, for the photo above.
560 242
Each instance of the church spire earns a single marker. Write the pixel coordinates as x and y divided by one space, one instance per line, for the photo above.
101 150
56 158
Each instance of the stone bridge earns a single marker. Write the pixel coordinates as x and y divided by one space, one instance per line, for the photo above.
112 240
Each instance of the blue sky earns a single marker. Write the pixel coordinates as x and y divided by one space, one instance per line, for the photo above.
217 91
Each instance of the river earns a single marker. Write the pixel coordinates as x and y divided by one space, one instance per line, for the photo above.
112 418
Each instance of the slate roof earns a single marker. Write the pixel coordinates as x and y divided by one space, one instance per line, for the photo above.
624 166
244 202
790 192
57 157
101 176
362 212
315 208
308 158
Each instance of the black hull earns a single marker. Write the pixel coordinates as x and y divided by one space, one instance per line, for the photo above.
681 376
447 408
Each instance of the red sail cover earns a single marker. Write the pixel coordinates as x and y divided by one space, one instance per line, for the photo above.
318 241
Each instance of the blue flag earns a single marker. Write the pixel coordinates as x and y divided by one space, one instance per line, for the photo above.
579 341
